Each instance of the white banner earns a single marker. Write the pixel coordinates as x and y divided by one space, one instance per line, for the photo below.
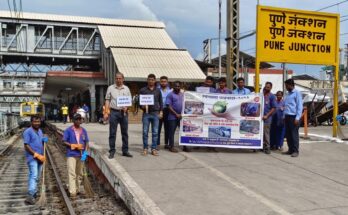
222 120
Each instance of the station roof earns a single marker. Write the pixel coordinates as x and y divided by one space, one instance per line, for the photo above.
136 64
117 36
81 20
138 52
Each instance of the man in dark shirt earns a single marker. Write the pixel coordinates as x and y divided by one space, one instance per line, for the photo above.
268 110
152 114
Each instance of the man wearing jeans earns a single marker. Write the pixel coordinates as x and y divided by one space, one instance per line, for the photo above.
117 115
33 143
174 102
152 114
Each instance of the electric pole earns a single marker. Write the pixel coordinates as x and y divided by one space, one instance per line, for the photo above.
232 54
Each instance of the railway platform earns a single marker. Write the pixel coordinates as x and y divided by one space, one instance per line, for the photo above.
224 181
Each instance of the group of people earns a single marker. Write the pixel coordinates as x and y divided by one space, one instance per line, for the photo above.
68 114
281 117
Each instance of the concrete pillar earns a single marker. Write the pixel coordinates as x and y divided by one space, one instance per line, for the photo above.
93 101
101 95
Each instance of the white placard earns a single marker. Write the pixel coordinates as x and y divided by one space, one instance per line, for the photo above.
124 101
147 100
203 89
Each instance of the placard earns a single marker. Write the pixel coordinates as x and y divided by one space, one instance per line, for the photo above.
124 101
146 100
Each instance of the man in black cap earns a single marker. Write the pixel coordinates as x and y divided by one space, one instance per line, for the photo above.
76 141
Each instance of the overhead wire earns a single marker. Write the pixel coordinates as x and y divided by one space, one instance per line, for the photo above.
332 5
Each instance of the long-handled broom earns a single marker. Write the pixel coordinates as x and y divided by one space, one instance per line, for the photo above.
43 199
86 184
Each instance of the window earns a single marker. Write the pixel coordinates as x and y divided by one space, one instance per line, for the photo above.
21 84
40 84
7 84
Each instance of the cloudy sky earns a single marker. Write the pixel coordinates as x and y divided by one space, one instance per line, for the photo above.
189 22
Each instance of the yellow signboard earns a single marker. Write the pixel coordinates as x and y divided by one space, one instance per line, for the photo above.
296 36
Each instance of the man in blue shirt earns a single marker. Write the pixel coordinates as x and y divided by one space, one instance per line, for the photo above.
174 103
165 90
241 90
34 152
86 109
76 140
292 114
268 110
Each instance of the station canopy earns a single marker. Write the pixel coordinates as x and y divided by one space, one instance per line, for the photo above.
140 51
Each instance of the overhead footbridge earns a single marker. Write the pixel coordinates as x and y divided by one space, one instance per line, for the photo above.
80 55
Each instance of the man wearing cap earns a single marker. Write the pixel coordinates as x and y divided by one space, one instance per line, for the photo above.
117 115
76 141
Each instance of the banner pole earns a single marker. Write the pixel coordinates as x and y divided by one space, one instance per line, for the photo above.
257 76
335 102
257 62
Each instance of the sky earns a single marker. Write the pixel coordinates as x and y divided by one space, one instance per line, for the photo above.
188 22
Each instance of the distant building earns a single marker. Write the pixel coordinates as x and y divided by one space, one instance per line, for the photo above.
18 88
248 71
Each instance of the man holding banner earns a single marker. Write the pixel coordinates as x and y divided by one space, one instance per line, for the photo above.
241 90
268 110
117 99
152 104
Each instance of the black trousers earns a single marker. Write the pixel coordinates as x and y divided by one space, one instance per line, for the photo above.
164 122
118 117
172 125
291 134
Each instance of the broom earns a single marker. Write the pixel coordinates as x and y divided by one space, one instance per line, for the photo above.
43 200
86 184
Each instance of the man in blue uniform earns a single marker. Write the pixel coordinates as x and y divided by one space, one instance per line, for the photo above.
293 107
34 152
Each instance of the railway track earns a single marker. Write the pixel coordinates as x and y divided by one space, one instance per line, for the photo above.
13 186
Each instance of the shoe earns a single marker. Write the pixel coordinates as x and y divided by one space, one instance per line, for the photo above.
158 147
73 195
127 154
144 152
173 150
280 149
295 154
286 153
166 147
30 200
267 151
186 149
154 152
111 155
